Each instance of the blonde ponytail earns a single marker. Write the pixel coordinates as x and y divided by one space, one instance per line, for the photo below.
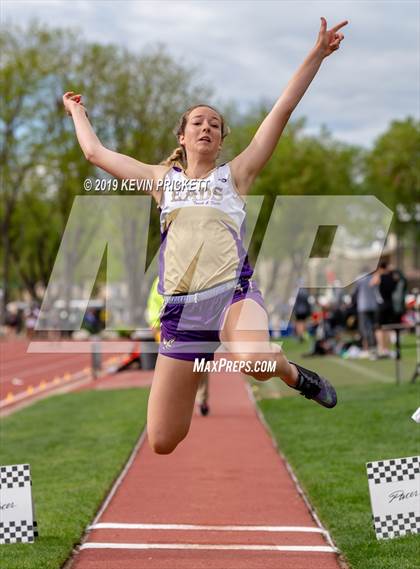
177 158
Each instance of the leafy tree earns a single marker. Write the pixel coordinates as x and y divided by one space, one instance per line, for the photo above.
29 61
392 173
133 101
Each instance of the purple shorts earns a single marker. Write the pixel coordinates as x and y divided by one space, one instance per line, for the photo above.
191 330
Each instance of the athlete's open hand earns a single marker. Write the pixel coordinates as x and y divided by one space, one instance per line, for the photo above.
329 40
70 101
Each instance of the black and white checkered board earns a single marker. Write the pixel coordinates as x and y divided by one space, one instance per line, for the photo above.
16 486
394 470
14 532
387 527
16 475
394 494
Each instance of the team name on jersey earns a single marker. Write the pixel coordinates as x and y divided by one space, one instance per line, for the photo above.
196 195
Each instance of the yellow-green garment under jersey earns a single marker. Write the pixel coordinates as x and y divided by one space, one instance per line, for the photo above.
154 306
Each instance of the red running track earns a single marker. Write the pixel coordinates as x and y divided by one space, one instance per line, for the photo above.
26 377
225 496
19 369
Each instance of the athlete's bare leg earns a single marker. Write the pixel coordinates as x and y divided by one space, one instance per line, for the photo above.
171 403
252 341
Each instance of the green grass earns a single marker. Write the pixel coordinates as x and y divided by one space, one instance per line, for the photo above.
76 445
328 449
342 372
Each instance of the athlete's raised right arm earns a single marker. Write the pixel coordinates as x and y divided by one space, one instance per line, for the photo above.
118 165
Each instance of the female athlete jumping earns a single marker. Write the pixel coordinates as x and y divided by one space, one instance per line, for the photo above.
204 275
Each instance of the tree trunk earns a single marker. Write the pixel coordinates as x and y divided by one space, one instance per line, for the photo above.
6 273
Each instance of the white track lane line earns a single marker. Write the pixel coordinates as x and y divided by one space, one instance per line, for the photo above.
300 548
289 468
193 527
367 372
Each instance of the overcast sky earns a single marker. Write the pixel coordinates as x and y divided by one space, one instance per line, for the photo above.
248 50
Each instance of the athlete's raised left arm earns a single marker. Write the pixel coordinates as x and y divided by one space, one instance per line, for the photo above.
247 165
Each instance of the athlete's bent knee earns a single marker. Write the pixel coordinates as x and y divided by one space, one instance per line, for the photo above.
162 446
256 365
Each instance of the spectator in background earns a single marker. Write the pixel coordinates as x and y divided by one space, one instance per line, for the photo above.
31 318
324 328
92 322
386 282
399 294
20 321
11 321
367 296
302 311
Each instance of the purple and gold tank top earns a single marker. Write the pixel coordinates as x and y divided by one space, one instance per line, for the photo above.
202 226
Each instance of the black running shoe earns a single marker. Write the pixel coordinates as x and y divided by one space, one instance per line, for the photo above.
313 386
204 409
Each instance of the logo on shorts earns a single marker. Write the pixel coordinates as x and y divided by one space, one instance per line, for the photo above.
168 343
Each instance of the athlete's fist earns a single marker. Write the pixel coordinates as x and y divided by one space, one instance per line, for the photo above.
70 101
329 40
